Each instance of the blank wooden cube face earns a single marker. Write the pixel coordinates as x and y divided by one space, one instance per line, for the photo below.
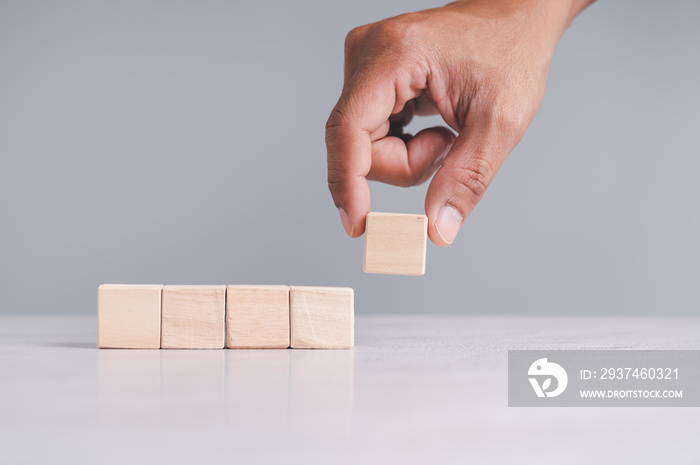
257 317
193 317
321 317
395 243
128 316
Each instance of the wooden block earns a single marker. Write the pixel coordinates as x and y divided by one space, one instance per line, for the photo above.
128 316
193 317
257 317
321 317
395 243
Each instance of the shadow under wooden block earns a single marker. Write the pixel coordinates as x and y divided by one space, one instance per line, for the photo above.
128 316
257 317
321 317
193 317
395 243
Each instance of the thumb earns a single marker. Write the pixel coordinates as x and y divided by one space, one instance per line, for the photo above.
466 173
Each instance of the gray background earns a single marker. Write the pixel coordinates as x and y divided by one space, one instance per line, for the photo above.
182 143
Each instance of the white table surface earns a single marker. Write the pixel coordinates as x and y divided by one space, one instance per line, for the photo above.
416 389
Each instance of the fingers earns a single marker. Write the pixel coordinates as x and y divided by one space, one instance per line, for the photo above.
379 83
423 106
362 110
467 171
405 116
409 164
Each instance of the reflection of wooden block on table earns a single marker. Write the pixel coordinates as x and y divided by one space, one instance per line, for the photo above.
128 316
331 406
257 391
321 317
257 317
193 317
395 243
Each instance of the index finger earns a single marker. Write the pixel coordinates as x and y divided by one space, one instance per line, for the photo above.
363 109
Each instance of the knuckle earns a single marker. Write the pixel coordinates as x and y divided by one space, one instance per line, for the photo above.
402 38
474 177
399 29
355 37
392 30
335 120
332 186
509 119
334 189
335 178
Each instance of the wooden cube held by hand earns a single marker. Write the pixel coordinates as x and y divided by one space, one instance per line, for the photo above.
395 243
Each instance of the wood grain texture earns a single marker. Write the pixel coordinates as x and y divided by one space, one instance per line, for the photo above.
321 317
128 316
257 317
193 317
395 243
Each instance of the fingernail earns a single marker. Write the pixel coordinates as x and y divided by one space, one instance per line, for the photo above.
448 222
347 222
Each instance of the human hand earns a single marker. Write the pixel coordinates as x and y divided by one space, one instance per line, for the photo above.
482 65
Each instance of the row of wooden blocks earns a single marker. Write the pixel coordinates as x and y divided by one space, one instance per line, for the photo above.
143 316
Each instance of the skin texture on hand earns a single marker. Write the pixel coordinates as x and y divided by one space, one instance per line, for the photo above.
482 65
